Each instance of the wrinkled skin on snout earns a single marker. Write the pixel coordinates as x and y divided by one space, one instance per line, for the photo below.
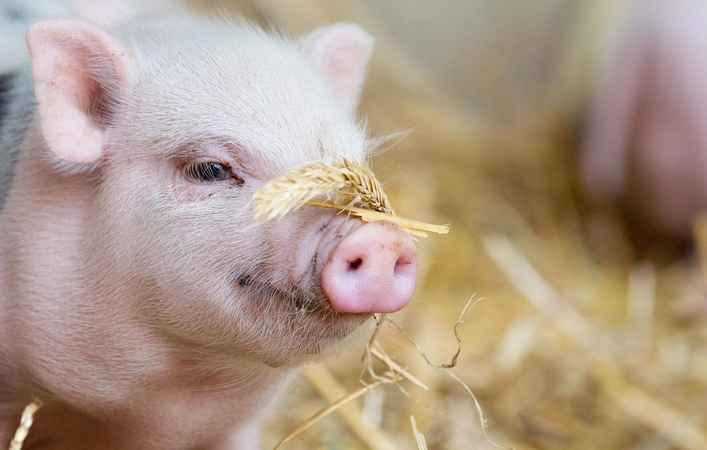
137 297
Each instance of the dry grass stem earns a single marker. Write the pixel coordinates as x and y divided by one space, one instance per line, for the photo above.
25 424
445 367
477 405
327 385
413 227
345 185
395 367
335 406
462 318
373 349
419 437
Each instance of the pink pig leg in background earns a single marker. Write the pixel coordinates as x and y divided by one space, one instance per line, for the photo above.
646 140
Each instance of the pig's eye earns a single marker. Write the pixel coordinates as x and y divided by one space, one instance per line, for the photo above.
210 171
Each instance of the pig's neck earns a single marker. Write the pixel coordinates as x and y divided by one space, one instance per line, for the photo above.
41 294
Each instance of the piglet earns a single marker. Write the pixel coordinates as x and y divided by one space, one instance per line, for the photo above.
136 299
646 140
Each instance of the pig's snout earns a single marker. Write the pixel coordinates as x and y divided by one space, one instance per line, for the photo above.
373 270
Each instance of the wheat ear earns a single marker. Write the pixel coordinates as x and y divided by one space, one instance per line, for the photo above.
349 186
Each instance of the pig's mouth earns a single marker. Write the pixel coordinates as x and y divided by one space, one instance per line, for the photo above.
303 301
303 306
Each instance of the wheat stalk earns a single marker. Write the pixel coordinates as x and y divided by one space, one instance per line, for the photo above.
25 424
348 186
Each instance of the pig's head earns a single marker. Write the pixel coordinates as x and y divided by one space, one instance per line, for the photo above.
170 127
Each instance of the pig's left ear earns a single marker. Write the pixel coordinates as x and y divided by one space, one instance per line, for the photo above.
80 72
342 52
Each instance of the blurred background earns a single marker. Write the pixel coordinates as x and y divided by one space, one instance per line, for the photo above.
592 328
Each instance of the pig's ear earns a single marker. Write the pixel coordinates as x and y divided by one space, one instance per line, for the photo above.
79 72
342 51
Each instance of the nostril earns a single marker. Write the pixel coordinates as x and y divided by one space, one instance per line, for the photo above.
355 264
403 266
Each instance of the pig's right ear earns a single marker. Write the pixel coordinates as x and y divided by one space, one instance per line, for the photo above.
80 72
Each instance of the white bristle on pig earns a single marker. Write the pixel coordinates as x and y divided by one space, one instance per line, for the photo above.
137 301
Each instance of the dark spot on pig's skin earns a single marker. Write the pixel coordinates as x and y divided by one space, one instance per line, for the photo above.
304 306
244 280
356 263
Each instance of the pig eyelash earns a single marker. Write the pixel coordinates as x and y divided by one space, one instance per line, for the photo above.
210 171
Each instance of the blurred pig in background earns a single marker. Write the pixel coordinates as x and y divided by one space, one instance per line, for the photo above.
646 138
